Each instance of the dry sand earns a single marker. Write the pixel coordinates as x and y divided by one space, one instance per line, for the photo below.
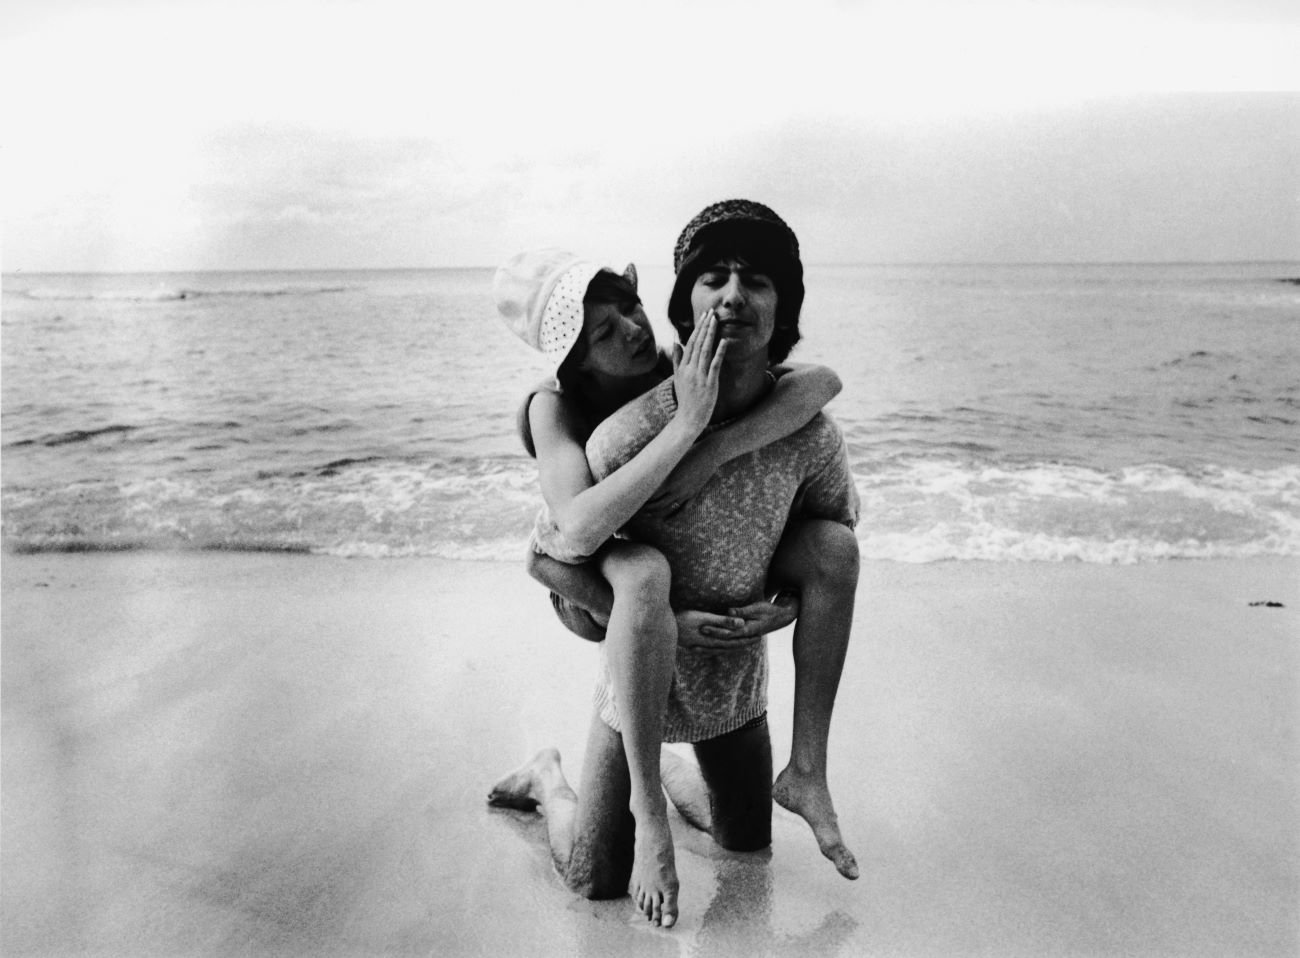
256 755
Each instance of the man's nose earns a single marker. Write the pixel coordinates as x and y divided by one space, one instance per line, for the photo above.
733 292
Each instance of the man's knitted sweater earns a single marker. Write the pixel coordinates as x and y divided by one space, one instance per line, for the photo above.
719 547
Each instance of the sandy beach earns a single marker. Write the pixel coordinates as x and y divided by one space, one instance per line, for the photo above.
208 754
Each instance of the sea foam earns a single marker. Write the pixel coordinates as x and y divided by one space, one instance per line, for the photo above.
922 511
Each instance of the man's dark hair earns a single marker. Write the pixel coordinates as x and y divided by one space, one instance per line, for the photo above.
762 248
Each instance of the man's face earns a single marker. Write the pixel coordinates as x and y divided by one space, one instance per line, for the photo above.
745 303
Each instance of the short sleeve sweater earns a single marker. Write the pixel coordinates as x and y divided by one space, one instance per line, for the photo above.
719 547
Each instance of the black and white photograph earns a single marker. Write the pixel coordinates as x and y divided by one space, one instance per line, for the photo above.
701 479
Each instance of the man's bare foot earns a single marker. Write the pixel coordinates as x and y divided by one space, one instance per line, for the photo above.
810 799
654 869
522 788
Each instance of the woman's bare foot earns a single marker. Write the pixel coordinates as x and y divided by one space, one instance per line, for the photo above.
810 799
654 868
522 788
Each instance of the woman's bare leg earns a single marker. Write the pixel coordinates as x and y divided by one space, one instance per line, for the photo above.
641 653
640 650
820 559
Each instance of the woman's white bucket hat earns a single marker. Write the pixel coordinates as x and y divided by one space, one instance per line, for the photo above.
539 294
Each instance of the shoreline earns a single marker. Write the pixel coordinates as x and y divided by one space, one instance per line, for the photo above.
215 753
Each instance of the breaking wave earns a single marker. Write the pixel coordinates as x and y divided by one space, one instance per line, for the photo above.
482 509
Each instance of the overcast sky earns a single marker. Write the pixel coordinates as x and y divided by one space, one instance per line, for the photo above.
276 134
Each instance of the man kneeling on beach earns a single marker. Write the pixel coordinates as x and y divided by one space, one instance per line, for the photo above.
740 260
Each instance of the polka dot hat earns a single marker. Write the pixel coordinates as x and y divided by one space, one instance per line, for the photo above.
539 295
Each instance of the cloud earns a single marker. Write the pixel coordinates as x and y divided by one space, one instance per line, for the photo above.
289 133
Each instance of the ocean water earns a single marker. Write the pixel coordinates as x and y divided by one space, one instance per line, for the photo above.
1097 413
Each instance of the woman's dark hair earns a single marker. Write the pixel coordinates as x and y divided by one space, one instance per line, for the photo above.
605 287
763 249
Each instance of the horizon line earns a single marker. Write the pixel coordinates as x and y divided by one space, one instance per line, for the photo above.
814 265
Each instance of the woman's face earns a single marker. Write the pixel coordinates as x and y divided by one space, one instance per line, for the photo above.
618 344
744 300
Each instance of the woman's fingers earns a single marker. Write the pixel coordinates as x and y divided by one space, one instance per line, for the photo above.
715 366
698 343
702 335
710 335
693 340
702 363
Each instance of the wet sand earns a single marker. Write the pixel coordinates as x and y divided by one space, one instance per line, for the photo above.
269 755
